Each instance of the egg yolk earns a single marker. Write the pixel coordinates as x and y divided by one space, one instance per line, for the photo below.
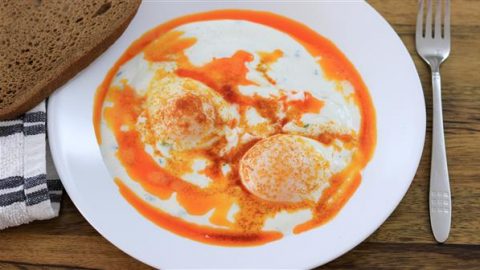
180 115
284 168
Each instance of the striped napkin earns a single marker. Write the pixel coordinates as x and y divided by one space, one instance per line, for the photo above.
29 185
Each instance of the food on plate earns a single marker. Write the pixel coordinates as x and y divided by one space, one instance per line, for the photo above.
235 127
285 168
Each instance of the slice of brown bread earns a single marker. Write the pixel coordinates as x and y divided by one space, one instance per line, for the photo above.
45 43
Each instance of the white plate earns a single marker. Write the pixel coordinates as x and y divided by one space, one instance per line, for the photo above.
387 69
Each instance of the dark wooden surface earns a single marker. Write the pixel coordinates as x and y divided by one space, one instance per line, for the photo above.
404 241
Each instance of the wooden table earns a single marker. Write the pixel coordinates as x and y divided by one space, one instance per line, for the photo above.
405 240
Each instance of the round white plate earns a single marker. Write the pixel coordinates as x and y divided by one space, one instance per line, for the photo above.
387 69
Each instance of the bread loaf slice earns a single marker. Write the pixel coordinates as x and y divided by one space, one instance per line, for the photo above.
45 43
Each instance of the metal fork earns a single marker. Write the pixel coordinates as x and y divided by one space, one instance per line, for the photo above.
433 45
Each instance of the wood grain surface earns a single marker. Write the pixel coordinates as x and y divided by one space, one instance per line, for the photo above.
404 241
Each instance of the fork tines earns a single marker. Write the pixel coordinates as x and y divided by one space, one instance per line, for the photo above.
426 32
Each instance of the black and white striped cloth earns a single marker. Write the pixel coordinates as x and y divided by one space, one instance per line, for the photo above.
29 185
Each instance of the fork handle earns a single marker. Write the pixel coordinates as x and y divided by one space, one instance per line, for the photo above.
440 198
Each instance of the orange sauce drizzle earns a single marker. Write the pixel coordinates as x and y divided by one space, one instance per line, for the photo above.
221 73
296 108
309 104
168 45
196 232
266 60
224 75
